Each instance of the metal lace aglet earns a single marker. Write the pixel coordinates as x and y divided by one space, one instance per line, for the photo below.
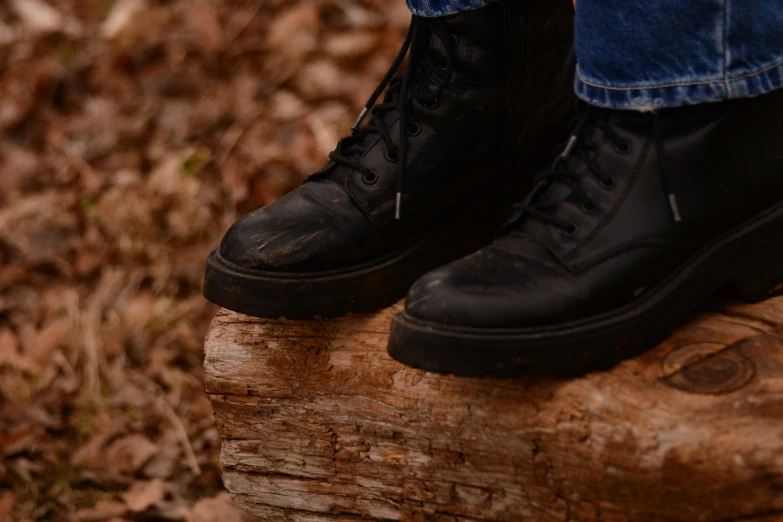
675 208
569 148
398 207
360 119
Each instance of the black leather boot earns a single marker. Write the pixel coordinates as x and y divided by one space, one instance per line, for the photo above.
423 182
642 217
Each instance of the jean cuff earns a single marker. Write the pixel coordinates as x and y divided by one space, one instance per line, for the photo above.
677 94
434 8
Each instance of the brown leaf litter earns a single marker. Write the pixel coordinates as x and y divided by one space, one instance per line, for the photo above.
132 134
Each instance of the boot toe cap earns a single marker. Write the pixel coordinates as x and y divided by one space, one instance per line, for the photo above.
300 232
262 241
485 291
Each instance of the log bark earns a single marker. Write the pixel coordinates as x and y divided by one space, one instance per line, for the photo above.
319 424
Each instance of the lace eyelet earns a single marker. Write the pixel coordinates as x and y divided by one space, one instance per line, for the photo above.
392 158
625 148
371 177
571 231
455 40
431 105
589 207
609 184
414 129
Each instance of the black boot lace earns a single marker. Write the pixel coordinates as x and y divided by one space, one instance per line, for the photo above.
537 206
415 84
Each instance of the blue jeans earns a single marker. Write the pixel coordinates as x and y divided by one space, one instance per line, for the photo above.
641 55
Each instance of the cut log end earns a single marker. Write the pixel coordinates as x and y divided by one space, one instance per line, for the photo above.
318 423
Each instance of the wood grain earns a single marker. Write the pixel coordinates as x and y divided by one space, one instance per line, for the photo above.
319 424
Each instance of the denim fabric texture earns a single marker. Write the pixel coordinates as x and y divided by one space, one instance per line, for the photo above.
666 53
432 8
643 55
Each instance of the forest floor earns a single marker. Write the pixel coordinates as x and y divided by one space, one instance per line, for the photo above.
132 134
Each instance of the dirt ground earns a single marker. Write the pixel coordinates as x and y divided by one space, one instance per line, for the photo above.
132 134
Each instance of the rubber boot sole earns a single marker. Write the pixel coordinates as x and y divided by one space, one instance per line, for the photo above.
750 257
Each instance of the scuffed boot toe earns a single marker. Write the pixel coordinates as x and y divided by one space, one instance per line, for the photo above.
298 233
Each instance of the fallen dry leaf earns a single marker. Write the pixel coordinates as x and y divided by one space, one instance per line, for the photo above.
143 494
135 133
351 45
102 511
38 15
130 453
220 508
52 336
7 502
295 32
121 16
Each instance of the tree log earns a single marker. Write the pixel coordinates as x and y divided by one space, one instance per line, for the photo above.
319 424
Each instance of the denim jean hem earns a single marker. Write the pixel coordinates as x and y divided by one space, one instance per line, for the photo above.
679 94
435 8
